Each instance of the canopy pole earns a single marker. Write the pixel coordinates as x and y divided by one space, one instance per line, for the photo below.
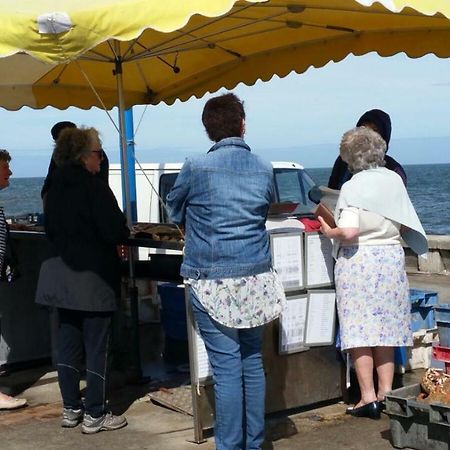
123 142
129 134
135 369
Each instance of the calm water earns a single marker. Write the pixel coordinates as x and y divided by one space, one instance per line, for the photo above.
428 187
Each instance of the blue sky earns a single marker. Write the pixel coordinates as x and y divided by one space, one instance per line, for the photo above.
299 118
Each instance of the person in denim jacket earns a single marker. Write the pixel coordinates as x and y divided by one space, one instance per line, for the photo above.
223 198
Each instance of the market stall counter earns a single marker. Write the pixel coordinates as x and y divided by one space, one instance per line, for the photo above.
302 364
24 326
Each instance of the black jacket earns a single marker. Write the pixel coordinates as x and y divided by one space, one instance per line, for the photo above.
340 173
84 223
103 174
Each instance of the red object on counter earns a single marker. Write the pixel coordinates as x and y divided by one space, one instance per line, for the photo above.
310 224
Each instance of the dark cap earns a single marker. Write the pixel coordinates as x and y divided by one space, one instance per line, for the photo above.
58 127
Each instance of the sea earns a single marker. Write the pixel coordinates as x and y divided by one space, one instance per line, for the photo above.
428 187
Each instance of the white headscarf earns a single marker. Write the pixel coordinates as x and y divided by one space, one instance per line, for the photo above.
382 191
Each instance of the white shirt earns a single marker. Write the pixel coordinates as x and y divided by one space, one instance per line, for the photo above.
374 229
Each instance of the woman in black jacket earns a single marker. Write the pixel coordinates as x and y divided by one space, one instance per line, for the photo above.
379 121
83 224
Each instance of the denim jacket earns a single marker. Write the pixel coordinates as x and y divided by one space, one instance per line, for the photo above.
223 198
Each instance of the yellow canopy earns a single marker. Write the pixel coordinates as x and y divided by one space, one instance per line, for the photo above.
51 52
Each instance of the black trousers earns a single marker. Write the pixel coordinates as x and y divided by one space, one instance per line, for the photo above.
83 338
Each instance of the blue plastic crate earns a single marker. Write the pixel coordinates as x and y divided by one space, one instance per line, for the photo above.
173 311
421 297
444 333
400 356
442 312
422 317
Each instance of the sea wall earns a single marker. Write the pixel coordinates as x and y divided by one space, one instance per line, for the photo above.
438 258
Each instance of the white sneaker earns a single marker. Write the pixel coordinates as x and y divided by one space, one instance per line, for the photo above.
7 402
107 422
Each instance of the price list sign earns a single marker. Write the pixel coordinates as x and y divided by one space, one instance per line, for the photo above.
321 317
287 257
293 325
319 263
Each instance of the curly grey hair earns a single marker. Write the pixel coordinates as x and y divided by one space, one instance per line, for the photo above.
362 148
73 144
5 156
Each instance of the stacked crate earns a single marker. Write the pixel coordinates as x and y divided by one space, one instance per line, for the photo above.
441 352
423 324
417 424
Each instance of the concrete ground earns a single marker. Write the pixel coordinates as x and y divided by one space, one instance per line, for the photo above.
155 427
37 426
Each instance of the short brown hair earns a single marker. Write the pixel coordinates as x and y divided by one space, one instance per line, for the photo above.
5 156
222 117
73 144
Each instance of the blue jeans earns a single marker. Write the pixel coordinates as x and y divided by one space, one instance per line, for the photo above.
235 356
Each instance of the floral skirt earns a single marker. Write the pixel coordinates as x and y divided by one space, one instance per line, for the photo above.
372 294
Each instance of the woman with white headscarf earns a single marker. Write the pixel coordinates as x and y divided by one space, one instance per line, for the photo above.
372 214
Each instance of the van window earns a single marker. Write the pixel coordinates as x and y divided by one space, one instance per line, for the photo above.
293 185
166 182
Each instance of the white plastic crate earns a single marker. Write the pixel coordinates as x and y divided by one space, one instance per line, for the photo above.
419 356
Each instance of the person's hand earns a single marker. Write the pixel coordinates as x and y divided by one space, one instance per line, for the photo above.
324 227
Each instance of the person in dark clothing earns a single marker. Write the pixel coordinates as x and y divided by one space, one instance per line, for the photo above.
380 122
59 126
6 402
83 224
55 132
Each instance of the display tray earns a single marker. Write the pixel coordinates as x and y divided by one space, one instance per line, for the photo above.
139 240
156 235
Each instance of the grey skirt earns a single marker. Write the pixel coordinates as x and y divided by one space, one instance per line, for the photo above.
62 287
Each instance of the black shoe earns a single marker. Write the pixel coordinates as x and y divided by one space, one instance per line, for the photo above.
370 410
